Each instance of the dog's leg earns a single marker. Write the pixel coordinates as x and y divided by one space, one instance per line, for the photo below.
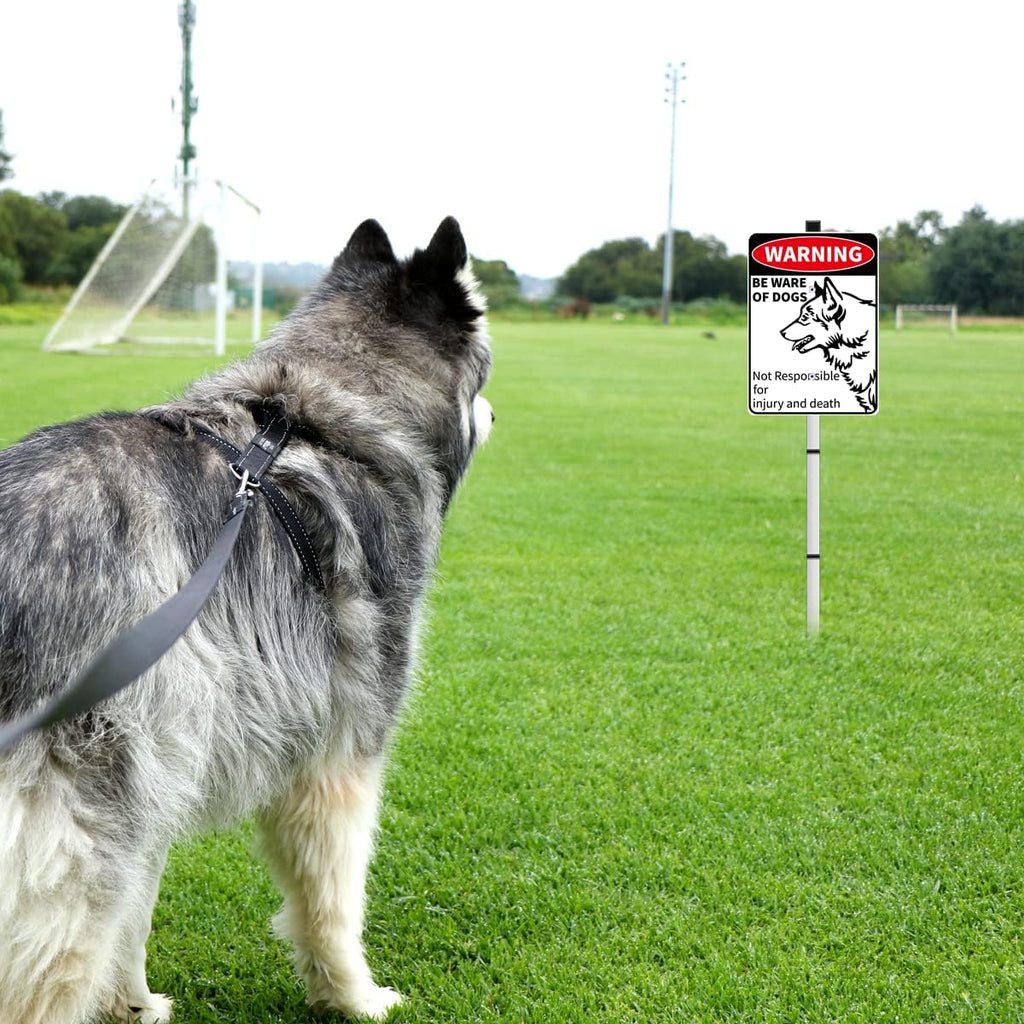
134 1002
318 839
58 946
70 988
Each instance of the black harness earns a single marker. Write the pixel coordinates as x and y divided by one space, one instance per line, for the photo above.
140 646
251 465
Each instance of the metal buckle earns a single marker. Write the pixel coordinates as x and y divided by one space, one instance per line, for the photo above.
246 484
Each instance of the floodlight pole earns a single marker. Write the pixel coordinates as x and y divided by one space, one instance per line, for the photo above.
813 507
673 76
189 104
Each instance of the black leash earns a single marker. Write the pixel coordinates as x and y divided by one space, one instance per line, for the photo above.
126 657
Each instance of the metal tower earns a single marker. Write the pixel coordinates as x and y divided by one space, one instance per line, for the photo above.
673 75
189 104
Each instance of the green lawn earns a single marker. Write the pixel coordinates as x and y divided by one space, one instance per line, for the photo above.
628 788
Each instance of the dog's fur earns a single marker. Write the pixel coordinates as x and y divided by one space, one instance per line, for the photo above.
842 326
280 697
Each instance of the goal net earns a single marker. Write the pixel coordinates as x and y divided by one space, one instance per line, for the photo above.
910 315
164 274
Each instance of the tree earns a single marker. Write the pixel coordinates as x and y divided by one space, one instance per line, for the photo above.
703 268
54 200
6 171
91 211
10 278
39 233
626 266
904 255
980 265
8 247
91 221
79 253
498 282
1010 277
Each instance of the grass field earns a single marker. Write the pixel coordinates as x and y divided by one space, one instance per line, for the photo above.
628 788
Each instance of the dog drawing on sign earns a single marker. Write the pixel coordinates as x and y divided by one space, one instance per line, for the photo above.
843 327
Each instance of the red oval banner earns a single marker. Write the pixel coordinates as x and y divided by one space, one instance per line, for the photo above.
813 254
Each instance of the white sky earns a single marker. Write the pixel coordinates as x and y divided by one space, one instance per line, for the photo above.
540 126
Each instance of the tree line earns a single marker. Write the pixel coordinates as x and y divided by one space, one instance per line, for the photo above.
977 264
51 238
629 269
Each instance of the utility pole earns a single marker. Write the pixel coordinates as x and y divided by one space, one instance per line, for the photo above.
189 105
673 76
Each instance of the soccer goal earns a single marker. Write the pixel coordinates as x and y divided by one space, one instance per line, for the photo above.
163 276
918 315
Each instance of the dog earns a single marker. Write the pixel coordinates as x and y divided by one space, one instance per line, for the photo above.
842 326
279 699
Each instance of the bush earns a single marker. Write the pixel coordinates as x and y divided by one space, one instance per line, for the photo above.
722 310
649 307
10 279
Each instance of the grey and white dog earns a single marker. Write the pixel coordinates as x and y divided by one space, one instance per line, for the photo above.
279 699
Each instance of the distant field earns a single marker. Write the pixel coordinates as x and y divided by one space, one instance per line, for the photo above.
628 788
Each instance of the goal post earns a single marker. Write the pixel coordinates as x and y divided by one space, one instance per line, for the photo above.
163 276
257 262
925 309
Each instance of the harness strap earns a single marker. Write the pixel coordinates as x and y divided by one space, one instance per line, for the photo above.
255 460
140 646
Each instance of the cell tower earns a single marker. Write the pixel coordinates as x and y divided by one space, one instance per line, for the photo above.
189 103
160 272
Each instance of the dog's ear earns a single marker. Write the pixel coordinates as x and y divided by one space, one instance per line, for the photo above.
368 244
442 270
446 254
832 295
448 247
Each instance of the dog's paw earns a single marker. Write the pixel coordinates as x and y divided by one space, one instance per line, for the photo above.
371 1003
374 1004
155 1010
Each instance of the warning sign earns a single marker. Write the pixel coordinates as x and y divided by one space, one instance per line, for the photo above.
812 324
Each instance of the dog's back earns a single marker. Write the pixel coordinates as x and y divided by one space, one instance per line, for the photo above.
276 681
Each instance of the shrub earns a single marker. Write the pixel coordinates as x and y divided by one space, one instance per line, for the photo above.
10 279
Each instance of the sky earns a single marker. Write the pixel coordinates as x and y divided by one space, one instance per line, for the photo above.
541 126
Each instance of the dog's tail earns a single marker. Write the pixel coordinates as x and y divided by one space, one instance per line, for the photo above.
56 928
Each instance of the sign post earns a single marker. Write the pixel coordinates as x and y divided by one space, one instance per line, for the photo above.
812 344
813 506
813 525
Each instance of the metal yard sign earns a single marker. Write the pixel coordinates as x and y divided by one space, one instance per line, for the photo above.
812 345
812 324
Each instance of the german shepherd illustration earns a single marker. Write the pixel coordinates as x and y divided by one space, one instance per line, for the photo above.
843 327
